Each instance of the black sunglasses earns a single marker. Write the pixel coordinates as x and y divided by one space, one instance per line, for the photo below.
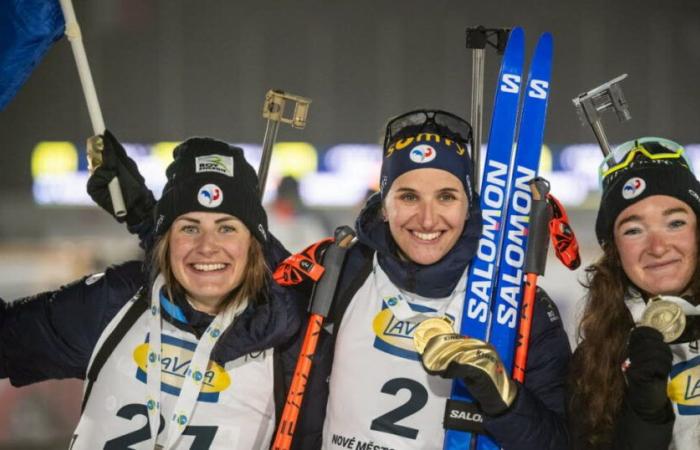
423 120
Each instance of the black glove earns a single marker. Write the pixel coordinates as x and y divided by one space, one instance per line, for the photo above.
476 362
650 362
138 199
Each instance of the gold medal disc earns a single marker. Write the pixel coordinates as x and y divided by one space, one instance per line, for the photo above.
665 316
429 328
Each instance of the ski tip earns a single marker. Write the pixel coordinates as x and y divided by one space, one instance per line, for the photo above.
546 37
545 46
517 32
516 44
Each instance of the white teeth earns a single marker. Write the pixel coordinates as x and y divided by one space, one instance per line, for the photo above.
208 267
426 236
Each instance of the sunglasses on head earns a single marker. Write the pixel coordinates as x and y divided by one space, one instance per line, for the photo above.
643 149
441 122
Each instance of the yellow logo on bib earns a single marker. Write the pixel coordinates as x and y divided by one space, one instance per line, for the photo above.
395 336
176 356
684 386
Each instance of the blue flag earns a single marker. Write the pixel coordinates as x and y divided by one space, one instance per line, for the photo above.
27 30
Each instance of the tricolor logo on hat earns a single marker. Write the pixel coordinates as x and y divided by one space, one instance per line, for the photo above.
210 196
633 188
422 154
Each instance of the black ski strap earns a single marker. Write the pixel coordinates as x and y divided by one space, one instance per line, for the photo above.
139 306
279 388
343 297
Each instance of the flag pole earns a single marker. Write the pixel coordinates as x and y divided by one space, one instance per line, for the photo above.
93 105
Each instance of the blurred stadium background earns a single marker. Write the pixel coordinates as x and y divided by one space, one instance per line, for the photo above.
169 69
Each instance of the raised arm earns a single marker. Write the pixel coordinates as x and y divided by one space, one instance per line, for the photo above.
52 335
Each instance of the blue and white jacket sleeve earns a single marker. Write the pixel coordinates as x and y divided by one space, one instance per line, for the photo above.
537 420
52 335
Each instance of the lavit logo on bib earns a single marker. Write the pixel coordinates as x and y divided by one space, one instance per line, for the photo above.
395 336
176 356
210 195
684 387
214 163
422 153
633 188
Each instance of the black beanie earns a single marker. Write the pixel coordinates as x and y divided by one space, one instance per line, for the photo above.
211 176
642 178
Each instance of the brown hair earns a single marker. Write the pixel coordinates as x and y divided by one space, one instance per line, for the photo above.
253 282
596 378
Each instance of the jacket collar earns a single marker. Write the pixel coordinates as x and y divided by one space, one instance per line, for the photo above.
433 281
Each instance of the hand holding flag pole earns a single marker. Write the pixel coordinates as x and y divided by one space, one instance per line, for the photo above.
98 124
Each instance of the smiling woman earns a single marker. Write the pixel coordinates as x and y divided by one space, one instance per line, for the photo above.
184 350
206 258
647 226
409 269
426 211
657 242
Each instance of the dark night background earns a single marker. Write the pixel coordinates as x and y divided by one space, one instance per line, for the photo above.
167 69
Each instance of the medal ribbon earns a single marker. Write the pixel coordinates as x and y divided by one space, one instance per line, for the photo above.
194 376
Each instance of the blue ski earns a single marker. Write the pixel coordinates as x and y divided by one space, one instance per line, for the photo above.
476 311
508 290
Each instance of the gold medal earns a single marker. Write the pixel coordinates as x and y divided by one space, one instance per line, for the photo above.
665 316
430 328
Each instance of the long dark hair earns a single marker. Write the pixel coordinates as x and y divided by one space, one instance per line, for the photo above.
596 378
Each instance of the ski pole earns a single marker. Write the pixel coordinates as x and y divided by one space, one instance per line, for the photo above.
590 105
477 38
535 262
273 111
319 306
98 124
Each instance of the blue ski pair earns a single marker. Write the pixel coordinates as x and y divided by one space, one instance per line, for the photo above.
494 286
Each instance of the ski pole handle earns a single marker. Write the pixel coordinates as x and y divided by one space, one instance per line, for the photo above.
321 299
323 292
538 231
98 124
535 262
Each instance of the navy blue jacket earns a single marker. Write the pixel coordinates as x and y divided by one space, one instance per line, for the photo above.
52 335
535 421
